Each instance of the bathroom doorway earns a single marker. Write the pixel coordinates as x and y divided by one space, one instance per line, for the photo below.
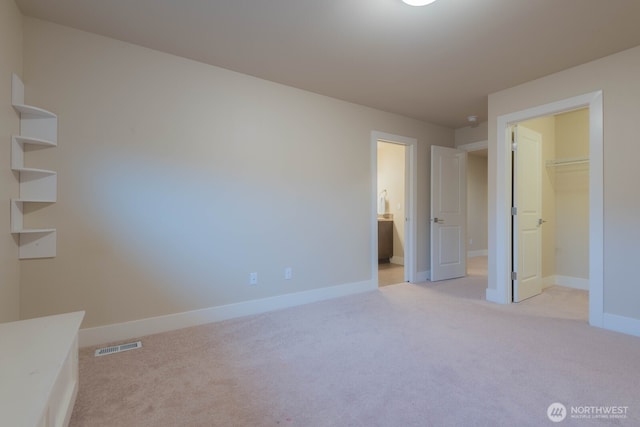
390 210
393 254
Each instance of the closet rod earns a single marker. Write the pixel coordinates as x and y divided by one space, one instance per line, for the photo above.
565 162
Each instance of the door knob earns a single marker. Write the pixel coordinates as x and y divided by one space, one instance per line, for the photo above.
438 220
541 221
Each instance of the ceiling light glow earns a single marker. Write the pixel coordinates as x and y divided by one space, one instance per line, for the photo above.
418 2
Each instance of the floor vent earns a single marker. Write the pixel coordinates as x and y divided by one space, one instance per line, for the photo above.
118 348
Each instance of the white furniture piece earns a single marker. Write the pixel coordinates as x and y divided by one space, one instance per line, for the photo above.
39 370
37 127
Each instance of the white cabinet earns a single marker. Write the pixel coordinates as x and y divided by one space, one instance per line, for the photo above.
39 370
37 127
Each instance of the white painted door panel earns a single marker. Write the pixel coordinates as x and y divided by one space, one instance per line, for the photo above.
448 213
528 202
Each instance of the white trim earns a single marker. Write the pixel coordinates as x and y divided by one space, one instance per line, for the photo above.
423 276
625 325
501 149
596 211
411 205
474 146
478 252
154 325
572 282
492 295
566 281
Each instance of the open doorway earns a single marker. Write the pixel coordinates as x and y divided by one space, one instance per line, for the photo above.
390 209
477 207
500 152
393 209
551 195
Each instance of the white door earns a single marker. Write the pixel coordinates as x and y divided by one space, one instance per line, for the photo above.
448 213
527 218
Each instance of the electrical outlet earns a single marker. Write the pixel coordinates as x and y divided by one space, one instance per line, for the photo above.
288 273
253 278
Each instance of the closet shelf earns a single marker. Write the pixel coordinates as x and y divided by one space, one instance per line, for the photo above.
567 162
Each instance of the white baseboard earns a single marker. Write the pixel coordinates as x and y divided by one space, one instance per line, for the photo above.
397 260
479 252
492 295
566 281
153 325
625 325
422 276
573 282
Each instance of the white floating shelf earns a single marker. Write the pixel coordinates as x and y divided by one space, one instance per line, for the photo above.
35 122
34 111
33 200
17 214
43 171
35 141
33 230
37 127
38 184
36 243
17 152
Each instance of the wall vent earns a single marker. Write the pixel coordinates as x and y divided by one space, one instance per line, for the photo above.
118 348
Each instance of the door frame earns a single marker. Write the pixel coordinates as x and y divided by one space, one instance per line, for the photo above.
410 205
501 153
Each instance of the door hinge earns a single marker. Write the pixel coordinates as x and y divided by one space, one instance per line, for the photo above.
514 141
514 210
514 275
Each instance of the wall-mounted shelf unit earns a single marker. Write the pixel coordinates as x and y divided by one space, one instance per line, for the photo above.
37 127
567 162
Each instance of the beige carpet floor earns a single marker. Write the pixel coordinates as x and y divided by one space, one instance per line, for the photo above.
432 354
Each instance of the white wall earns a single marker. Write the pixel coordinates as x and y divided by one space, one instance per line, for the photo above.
476 204
617 77
477 181
177 179
391 177
10 62
468 134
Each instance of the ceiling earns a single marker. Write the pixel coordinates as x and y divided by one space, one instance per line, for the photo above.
436 63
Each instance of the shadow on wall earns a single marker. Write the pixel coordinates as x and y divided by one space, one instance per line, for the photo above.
195 235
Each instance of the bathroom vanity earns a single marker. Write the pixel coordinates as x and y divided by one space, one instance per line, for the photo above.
385 240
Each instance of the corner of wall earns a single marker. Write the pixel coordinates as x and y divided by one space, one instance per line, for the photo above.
11 54
468 134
